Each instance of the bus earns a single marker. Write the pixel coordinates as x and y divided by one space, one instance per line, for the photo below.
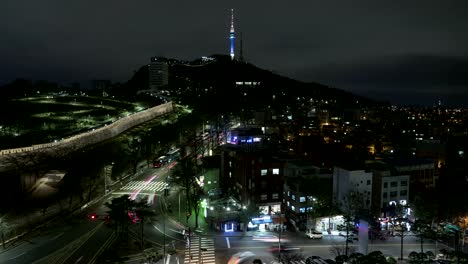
173 155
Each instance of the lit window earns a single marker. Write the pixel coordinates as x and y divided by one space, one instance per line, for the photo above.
275 196
275 171
302 209
293 197
288 203
263 197
230 174
263 172
289 194
302 199
293 208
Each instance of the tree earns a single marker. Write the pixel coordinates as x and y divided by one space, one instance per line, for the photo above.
194 204
422 230
374 257
134 151
399 221
143 212
118 213
351 207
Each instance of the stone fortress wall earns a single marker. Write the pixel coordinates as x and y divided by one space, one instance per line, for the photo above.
97 135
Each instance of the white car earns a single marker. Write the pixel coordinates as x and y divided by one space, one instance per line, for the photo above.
314 235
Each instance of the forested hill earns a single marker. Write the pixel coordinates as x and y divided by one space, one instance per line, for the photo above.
221 75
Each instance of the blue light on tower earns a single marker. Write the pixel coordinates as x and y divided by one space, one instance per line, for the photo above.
232 36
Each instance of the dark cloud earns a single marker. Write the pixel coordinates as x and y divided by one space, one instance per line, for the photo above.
323 41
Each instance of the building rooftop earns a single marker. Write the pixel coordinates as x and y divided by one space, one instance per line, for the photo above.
410 161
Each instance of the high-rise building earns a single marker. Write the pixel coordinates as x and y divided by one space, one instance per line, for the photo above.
232 35
158 73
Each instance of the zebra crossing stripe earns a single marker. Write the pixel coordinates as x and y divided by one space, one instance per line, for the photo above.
193 253
156 186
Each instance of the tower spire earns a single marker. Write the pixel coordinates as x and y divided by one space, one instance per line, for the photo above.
232 36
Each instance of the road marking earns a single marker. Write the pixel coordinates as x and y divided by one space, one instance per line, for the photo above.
57 236
227 241
18 256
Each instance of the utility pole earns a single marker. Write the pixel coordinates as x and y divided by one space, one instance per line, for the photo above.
164 239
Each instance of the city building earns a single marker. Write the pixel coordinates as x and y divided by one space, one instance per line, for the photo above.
422 172
252 176
352 180
389 188
158 73
304 186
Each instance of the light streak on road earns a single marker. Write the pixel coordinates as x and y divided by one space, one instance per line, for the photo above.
150 200
175 238
136 192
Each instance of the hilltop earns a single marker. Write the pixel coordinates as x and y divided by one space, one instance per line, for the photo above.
222 81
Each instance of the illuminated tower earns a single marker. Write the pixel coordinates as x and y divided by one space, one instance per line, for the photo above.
231 36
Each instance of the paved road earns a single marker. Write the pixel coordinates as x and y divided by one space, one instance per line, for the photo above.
81 240
46 243
227 245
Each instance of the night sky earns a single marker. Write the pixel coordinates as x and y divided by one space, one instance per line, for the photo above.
403 51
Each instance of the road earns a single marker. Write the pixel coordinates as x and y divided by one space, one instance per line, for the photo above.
81 239
229 244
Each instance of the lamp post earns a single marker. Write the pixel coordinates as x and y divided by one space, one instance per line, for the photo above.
279 235
107 173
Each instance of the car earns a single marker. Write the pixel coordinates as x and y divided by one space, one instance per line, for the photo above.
314 235
268 238
242 257
133 216
350 236
285 249
265 238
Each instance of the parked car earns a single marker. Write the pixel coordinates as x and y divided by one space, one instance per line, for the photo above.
314 235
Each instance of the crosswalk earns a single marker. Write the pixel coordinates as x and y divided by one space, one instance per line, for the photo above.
200 250
144 186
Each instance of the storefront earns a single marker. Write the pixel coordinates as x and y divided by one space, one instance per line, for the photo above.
260 223
329 224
